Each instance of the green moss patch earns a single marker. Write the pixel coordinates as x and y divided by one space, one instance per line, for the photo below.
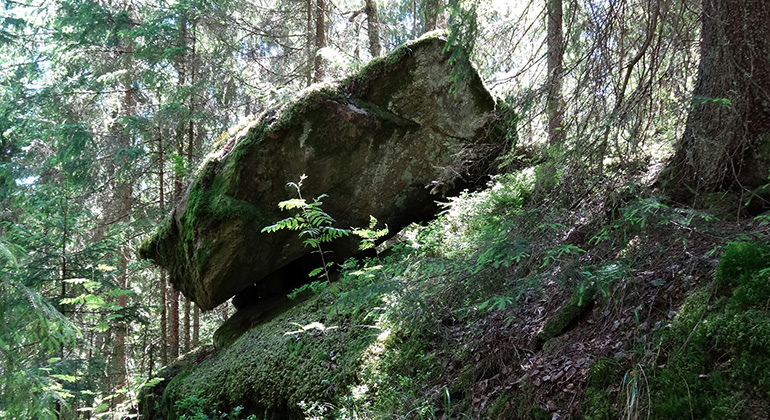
579 303
302 355
715 359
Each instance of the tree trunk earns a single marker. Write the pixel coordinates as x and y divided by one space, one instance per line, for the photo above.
187 324
196 326
431 9
163 319
163 283
173 323
310 41
320 39
555 102
124 191
726 140
182 132
373 27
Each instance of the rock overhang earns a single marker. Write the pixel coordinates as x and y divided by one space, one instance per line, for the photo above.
386 142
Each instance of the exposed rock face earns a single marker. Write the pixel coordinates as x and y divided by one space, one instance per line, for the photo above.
380 143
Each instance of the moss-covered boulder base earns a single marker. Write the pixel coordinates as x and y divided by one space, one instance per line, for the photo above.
379 143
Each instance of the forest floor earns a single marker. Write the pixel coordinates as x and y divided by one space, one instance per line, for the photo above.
497 310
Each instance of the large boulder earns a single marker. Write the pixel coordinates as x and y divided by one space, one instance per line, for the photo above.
384 143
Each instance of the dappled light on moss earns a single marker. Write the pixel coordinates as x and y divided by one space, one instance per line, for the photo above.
716 355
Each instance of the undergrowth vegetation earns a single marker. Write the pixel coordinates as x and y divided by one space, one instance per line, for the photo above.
715 358
476 297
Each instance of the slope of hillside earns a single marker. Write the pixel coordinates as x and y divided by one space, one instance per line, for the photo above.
502 308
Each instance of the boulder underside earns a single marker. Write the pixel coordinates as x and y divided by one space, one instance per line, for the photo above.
383 143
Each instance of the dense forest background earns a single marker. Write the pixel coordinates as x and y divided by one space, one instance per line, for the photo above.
108 107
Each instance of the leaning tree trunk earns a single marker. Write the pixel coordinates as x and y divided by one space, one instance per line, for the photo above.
726 143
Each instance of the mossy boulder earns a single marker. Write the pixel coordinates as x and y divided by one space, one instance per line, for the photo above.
386 142
306 353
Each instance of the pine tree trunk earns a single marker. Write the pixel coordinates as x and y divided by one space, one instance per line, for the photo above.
320 39
726 141
555 102
163 319
373 27
173 323
196 326
310 41
124 192
182 131
431 9
163 282
187 324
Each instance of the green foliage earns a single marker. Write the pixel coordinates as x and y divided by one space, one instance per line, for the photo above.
700 100
740 261
716 358
463 31
629 218
195 407
314 225
369 236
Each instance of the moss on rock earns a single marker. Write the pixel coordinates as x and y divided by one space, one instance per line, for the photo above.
568 315
302 354
372 143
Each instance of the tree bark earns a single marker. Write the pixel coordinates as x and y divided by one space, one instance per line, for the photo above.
196 326
187 324
320 39
310 41
726 139
124 191
555 102
173 323
163 283
373 27
431 10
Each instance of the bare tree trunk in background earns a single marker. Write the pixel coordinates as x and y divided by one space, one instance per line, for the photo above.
320 39
187 324
163 287
554 106
224 312
58 408
373 27
163 318
728 128
124 192
310 41
431 10
196 326
182 131
555 101
173 323
190 159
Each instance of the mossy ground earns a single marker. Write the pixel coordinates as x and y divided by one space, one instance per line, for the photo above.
448 325
715 359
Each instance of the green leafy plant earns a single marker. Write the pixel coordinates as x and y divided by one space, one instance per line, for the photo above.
369 236
315 226
196 407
